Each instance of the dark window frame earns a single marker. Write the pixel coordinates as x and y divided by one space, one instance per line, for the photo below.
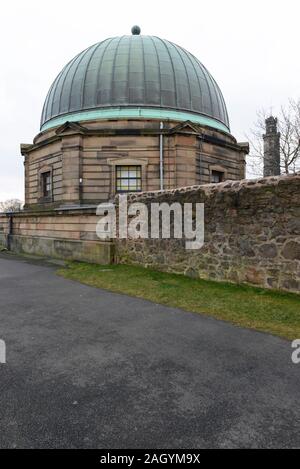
122 177
217 174
46 184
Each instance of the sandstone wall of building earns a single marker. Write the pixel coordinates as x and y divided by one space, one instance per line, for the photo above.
63 235
252 234
82 159
45 157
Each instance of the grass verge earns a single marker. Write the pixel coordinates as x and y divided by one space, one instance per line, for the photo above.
256 308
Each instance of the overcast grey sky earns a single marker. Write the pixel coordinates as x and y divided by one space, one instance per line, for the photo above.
251 49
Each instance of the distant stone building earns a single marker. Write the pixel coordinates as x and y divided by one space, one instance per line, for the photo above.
271 148
131 113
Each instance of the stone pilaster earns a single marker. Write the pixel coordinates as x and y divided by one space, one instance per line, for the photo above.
186 147
71 147
25 147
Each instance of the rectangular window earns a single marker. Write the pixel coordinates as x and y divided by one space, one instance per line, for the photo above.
46 184
217 176
128 178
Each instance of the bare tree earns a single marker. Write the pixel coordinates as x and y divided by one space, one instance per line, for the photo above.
289 128
11 205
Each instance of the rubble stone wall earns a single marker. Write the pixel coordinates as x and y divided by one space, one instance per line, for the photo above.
252 234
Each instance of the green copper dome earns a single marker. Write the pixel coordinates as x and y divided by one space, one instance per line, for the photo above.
135 76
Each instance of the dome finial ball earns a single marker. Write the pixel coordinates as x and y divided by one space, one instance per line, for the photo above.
136 30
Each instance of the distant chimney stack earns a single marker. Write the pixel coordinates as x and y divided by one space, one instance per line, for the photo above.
271 148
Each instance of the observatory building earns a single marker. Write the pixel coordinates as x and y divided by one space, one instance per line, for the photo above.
139 114
130 113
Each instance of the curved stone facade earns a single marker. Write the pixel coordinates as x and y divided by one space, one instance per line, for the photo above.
81 158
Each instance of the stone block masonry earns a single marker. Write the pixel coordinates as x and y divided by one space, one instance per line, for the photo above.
67 234
252 234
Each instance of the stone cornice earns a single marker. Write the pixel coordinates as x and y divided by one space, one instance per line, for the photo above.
242 147
185 128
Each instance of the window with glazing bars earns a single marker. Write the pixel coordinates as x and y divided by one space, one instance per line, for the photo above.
128 178
46 184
